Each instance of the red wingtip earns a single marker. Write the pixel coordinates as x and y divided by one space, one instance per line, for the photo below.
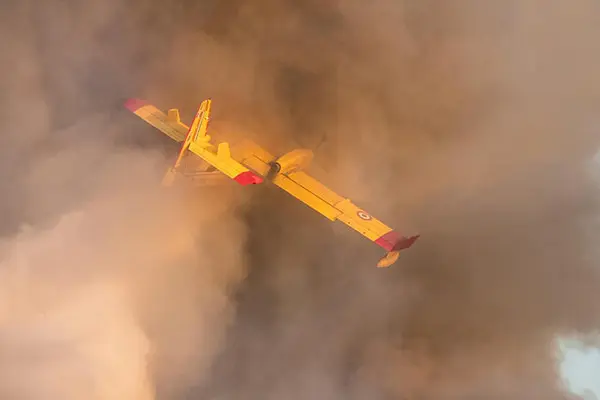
391 241
134 104
248 178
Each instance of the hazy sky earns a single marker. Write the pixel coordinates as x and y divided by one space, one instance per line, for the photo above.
581 368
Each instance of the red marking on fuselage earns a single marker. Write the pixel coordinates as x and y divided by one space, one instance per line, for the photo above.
135 104
248 178
391 241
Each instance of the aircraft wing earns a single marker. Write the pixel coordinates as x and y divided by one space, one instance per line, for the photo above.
170 124
328 203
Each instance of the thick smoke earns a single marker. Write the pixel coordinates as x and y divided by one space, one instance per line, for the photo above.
97 304
470 123
111 287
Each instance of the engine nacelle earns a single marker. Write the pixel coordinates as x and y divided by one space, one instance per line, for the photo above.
293 161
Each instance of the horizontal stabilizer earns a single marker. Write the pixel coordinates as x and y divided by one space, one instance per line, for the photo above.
169 124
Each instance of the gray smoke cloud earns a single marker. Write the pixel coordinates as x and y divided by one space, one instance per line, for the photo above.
112 287
470 123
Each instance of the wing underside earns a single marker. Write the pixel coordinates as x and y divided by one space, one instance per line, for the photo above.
323 200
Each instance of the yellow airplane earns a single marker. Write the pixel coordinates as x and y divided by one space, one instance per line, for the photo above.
250 164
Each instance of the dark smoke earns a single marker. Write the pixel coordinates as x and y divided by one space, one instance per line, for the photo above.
472 123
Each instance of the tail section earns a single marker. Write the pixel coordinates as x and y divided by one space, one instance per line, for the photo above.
197 141
200 124
197 133
173 116
169 124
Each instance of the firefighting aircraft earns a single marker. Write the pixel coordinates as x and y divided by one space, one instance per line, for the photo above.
250 164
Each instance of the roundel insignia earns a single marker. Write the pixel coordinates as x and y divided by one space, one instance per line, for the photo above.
364 215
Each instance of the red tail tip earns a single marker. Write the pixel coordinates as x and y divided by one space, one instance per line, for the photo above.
134 104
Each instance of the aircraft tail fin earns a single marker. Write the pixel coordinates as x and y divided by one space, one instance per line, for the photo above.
196 133
198 129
